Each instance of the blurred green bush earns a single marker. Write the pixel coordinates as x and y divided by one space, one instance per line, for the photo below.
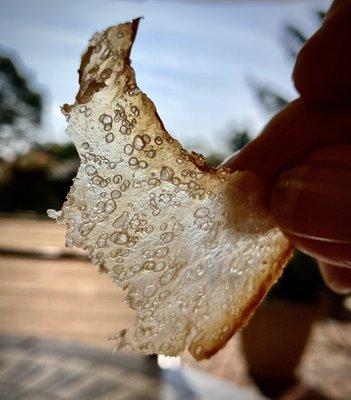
38 179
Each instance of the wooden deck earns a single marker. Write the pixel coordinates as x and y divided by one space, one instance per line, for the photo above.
54 298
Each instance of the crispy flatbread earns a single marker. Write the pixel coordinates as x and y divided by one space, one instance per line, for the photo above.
193 246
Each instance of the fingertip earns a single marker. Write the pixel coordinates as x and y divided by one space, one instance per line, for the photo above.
321 73
336 278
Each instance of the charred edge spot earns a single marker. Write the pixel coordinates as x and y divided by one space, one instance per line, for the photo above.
85 94
103 269
66 108
134 26
85 61
200 162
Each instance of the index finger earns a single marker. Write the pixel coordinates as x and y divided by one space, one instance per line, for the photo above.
292 134
322 70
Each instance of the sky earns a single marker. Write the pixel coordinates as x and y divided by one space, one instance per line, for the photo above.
194 59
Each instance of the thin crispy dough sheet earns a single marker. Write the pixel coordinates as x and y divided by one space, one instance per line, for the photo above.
192 246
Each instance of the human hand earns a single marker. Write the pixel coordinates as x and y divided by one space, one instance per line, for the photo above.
304 153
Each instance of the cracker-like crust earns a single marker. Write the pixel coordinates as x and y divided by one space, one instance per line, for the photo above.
194 246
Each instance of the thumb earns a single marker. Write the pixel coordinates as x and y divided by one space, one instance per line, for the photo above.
312 206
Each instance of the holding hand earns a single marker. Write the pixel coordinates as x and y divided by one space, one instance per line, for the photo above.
304 153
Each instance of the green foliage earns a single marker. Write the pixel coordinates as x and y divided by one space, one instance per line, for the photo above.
320 15
214 159
61 152
271 101
293 38
238 140
20 106
39 179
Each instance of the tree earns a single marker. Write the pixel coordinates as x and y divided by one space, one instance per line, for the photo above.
271 101
20 108
50 166
238 140
293 38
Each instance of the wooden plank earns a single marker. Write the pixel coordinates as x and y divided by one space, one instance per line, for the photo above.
60 299
34 235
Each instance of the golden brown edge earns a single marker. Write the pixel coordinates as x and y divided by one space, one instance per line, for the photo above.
250 308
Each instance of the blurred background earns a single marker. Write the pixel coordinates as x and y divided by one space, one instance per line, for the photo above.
217 71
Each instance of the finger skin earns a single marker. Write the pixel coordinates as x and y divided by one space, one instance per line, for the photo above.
331 156
337 7
295 132
322 70
338 279
314 202
338 254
